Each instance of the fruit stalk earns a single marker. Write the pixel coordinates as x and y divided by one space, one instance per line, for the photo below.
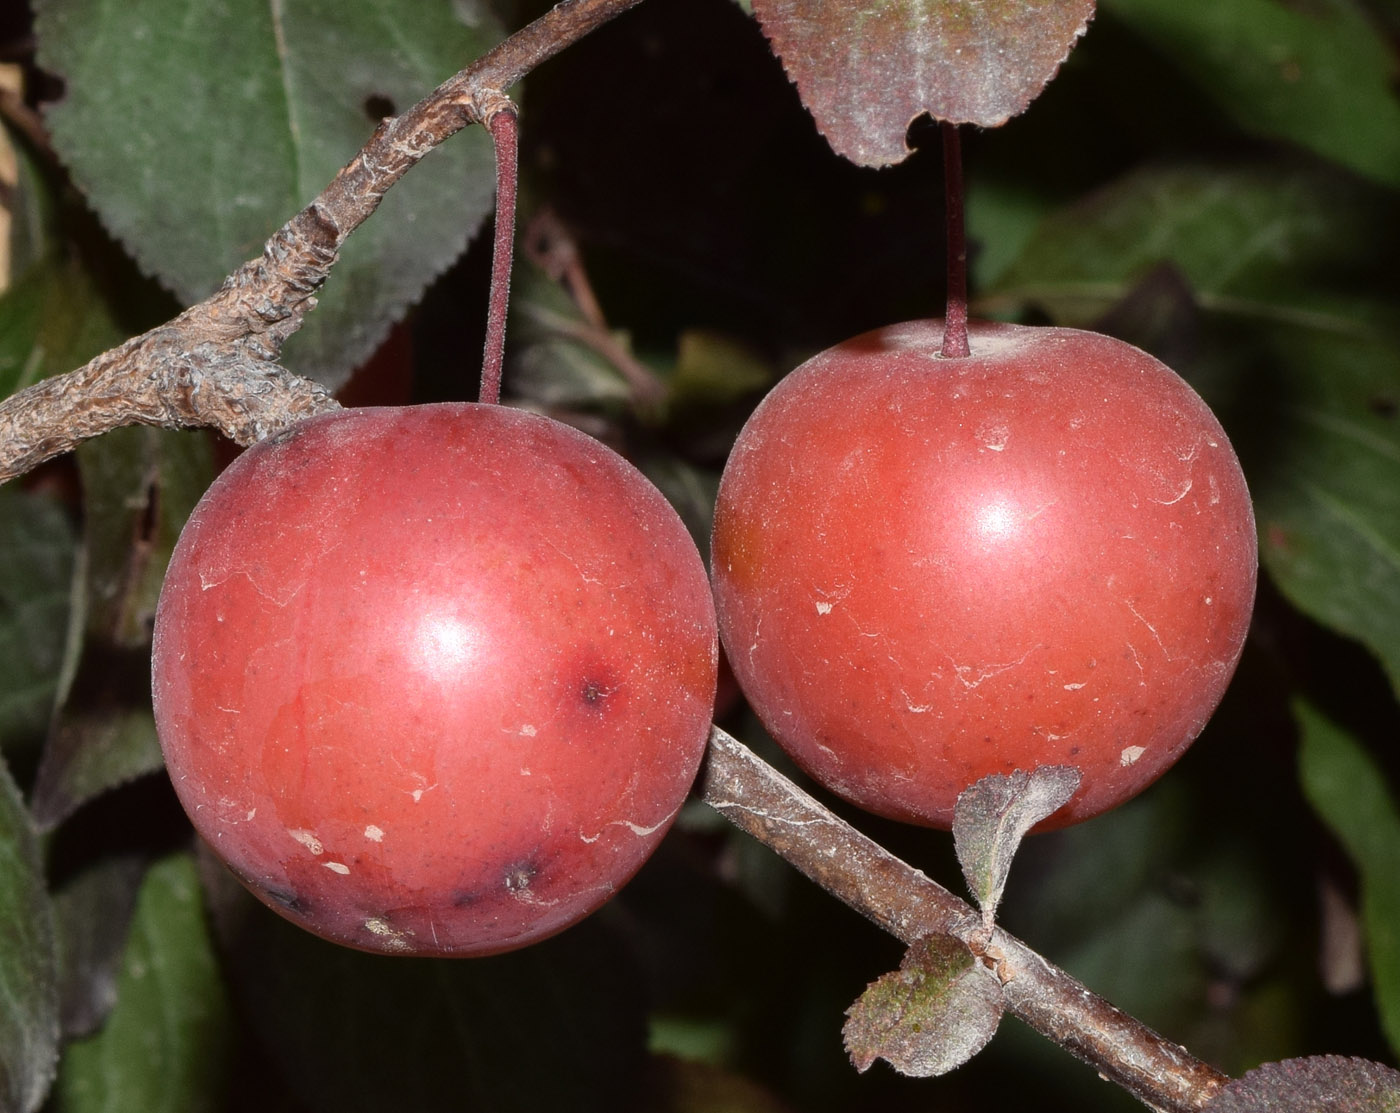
955 344
904 902
505 138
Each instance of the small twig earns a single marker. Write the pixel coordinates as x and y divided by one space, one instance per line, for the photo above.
177 374
907 904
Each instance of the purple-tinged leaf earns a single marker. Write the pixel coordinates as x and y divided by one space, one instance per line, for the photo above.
932 1014
1321 1084
992 817
866 70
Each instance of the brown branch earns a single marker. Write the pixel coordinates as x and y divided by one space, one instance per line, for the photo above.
901 900
215 364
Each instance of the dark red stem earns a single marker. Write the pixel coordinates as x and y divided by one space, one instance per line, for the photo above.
505 135
955 321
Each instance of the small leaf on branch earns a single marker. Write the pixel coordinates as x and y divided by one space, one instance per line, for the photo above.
866 71
992 817
934 1013
1319 1084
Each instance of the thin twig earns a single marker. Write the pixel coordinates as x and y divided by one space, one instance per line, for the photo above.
215 364
904 902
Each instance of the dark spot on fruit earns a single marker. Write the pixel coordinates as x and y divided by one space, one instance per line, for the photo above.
1382 405
593 693
287 899
377 106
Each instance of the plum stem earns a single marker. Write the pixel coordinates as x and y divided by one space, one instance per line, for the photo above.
955 344
503 125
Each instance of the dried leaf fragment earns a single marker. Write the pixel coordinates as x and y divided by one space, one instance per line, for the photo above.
866 70
934 1013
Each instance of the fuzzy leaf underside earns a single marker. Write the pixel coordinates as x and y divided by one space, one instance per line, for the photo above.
1319 1084
931 1015
866 71
991 818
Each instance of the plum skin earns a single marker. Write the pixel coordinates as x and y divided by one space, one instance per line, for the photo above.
929 570
433 680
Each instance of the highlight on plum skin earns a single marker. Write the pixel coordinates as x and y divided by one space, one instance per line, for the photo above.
929 570
434 680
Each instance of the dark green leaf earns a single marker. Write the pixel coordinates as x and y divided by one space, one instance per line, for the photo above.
1320 1084
966 63
1317 74
51 320
28 965
165 1047
197 132
92 911
991 818
36 583
1257 245
140 485
1347 788
938 1010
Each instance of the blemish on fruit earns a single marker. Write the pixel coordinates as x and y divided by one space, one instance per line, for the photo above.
1130 755
518 878
374 834
338 867
307 839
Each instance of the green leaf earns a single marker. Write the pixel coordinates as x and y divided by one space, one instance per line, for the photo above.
1326 481
28 962
140 485
966 63
1273 245
1347 788
92 912
165 1047
934 1013
196 132
1316 74
51 320
36 574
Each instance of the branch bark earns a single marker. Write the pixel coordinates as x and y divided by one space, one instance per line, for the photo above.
215 365
904 902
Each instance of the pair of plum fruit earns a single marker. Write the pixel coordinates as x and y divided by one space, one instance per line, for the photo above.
436 680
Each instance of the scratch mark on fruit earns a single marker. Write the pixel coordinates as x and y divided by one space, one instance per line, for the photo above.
337 867
638 829
1074 687
985 672
307 839
1130 755
374 833
1156 636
